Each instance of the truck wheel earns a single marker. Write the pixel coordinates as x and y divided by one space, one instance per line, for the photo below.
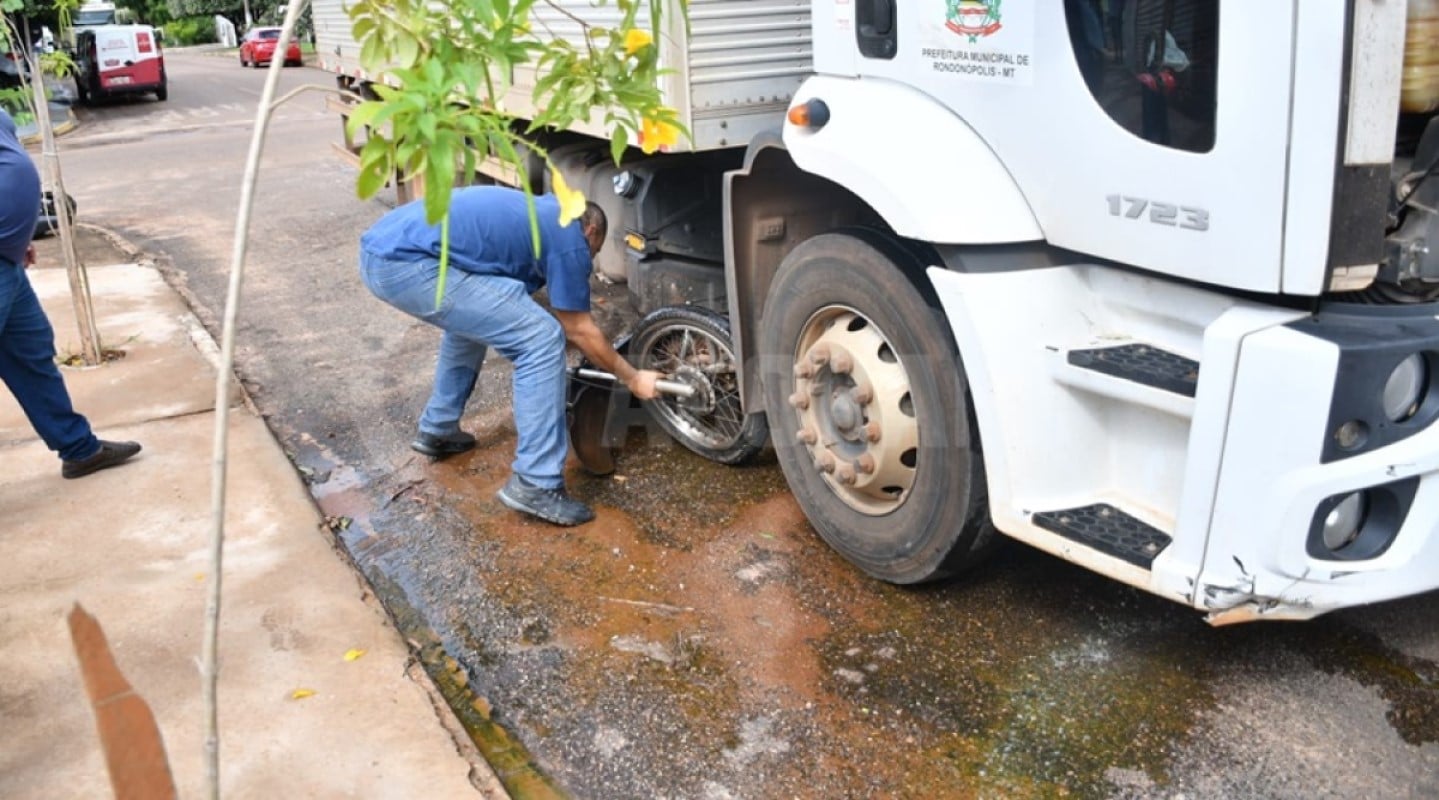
163 93
692 346
868 403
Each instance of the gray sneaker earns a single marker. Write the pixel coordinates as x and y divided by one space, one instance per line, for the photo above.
551 505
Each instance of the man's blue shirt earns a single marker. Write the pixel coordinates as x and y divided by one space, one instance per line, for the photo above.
19 194
490 235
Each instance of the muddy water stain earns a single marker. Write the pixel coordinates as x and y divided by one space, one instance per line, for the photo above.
997 682
1408 684
698 639
669 490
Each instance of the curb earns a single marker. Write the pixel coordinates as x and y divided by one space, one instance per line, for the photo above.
482 775
70 123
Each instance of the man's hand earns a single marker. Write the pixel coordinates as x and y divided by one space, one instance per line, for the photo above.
642 384
30 256
580 329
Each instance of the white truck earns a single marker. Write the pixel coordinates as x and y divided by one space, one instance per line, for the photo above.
1147 284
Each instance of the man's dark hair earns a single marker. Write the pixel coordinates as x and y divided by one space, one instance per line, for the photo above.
594 215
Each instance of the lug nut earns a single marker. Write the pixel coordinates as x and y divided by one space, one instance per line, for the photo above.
845 474
803 370
824 462
799 400
841 363
865 464
862 394
819 354
871 432
807 436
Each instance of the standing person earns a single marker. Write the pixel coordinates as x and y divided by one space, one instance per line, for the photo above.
487 303
27 342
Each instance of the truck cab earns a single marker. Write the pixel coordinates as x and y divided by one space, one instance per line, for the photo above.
1184 320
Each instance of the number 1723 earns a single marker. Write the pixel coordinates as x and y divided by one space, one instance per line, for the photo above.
1194 219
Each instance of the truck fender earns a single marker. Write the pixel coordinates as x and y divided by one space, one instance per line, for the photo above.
913 160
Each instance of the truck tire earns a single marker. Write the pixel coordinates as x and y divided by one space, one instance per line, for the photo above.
867 400
693 346
163 93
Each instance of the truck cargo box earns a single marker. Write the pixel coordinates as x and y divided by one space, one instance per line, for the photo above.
732 77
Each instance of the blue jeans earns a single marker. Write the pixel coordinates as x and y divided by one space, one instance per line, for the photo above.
478 312
27 365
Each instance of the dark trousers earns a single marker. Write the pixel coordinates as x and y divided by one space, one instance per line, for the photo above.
27 366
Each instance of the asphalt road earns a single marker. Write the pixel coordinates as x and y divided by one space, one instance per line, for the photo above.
697 640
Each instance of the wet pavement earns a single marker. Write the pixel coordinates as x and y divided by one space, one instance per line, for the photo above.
698 640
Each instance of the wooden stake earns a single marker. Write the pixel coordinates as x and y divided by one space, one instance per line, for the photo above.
79 280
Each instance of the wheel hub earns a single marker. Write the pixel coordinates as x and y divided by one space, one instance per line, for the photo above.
856 416
703 399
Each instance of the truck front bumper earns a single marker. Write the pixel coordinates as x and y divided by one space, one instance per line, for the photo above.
1328 491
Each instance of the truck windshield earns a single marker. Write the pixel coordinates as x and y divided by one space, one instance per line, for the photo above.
102 16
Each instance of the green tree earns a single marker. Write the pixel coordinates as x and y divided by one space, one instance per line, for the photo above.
234 10
149 12
447 70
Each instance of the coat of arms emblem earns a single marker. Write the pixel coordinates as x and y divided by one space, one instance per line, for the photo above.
972 18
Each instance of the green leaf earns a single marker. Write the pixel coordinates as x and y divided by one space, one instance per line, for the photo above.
427 125
487 12
407 49
434 73
361 116
362 28
371 181
618 142
372 54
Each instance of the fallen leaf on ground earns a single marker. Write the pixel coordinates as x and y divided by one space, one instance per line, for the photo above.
301 694
353 654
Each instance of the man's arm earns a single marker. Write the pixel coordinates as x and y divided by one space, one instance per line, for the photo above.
581 330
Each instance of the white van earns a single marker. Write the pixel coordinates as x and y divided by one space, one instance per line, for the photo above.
119 59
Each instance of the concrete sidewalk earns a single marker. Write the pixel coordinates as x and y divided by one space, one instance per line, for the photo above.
130 544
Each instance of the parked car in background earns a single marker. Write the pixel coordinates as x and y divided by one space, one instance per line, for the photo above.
258 48
119 59
12 67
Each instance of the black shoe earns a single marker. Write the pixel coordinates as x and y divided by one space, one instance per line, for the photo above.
109 455
550 505
440 446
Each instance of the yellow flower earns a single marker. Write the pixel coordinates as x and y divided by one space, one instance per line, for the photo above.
636 40
655 134
572 203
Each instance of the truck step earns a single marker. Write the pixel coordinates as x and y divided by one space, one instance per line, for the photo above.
1142 363
1108 530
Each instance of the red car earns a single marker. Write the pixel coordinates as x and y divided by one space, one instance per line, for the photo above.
258 49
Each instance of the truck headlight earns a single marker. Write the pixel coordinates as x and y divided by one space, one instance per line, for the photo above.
1343 522
1360 524
1404 390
